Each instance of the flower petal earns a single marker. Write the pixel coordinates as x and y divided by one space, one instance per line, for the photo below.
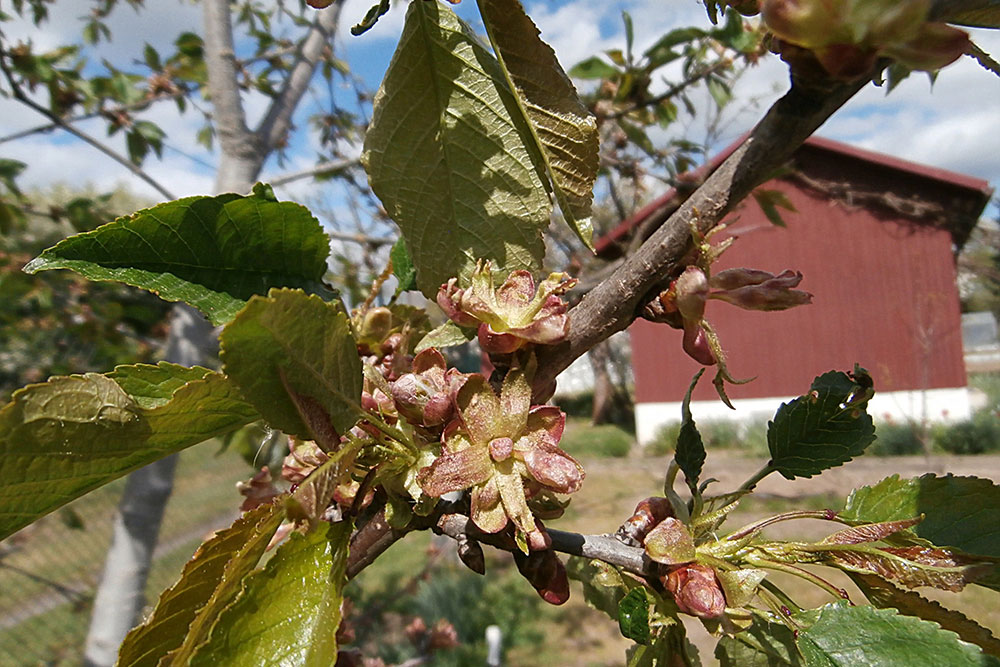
487 511
545 422
515 401
511 488
480 410
456 471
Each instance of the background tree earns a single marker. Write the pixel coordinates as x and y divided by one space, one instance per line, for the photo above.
245 50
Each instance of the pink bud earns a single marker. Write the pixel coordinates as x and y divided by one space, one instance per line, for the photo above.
501 449
696 590
696 345
691 293
759 290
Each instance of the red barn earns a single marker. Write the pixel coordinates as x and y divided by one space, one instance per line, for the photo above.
875 238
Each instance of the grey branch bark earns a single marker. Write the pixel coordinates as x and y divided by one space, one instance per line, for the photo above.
317 170
600 547
613 304
120 598
277 121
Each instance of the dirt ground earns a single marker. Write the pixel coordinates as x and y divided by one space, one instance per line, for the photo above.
732 469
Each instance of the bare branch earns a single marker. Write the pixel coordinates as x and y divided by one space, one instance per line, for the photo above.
23 98
278 120
375 536
600 547
316 170
614 304
361 239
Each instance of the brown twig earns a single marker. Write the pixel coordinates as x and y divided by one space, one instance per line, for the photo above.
600 547
23 98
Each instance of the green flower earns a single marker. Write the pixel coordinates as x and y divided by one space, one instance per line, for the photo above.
510 315
504 450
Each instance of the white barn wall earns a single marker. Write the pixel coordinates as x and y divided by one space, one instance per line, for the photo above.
942 405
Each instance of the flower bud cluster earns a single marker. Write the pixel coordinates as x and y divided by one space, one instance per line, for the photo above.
505 452
846 37
694 587
512 315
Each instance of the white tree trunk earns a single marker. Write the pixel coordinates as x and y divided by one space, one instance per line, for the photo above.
120 595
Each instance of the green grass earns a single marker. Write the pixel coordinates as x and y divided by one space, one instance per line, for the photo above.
604 441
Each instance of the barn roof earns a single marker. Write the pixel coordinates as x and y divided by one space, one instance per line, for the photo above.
895 188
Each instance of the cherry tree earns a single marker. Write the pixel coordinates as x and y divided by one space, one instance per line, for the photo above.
471 144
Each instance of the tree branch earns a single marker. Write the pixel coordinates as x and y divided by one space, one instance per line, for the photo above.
278 120
675 89
23 98
124 108
600 547
371 540
321 168
613 305
361 239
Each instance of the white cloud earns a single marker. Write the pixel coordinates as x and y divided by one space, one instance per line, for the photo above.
952 125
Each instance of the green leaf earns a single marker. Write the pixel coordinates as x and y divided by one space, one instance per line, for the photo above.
633 615
769 202
959 512
211 252
668 647
629 32
187 610
820 430
763 644
594 68
450 157
371 18
402 267
690 452
292 342
288 613
975 13
448 334
662 51
850 636
563 130
883 594
70 435
152 386
603 586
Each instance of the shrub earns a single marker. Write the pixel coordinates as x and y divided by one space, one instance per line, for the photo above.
896 440
978 435
604 441
748 437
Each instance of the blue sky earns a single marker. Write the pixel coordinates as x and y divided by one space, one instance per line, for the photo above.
953 125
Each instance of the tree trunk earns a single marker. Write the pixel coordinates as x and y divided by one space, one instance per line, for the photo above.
604 389
121 594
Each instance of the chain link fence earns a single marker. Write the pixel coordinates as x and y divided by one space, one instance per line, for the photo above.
49 571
